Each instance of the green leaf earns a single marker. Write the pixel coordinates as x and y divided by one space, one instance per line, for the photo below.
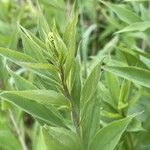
105 95
40 43
70 41
43 68
30 47
21 83
60 139
15 56
134 74
86 37
14 39
138 26
45 97
124 94
124 14
30 63
48 114
113 86
108 137
76 82
3 72
142 53
43 27
38 140
60 46
135 126
90 85
90 120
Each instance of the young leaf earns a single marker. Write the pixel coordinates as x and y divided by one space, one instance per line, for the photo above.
30 47
123 95
43 27
60 47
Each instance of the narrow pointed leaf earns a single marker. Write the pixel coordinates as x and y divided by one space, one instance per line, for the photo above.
123 13
138 26
134 74
48 114
15 56
45 97
106 141
90 85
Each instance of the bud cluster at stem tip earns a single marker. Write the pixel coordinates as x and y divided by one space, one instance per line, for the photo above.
51 45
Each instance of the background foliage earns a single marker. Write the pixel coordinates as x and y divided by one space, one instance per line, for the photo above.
75 75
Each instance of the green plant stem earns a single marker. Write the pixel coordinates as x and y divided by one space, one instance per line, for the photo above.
17 130
68 96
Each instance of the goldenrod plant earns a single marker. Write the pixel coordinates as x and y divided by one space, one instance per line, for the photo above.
76 82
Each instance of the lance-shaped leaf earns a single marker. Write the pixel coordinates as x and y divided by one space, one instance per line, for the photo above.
69 39
138 26
134 74
3 72
90 120
15 56
76 83
45 97
21 83
43 27
47 71
123 13
108 137
30 47
60 139
90 85
49 114
113 86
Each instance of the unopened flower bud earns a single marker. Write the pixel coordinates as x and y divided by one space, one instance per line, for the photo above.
51 44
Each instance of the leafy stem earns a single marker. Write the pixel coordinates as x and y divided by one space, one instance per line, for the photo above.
68 96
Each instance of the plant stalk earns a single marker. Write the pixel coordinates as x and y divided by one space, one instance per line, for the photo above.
68 96
17 130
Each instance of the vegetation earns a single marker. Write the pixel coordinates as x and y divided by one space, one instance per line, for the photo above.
74 75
